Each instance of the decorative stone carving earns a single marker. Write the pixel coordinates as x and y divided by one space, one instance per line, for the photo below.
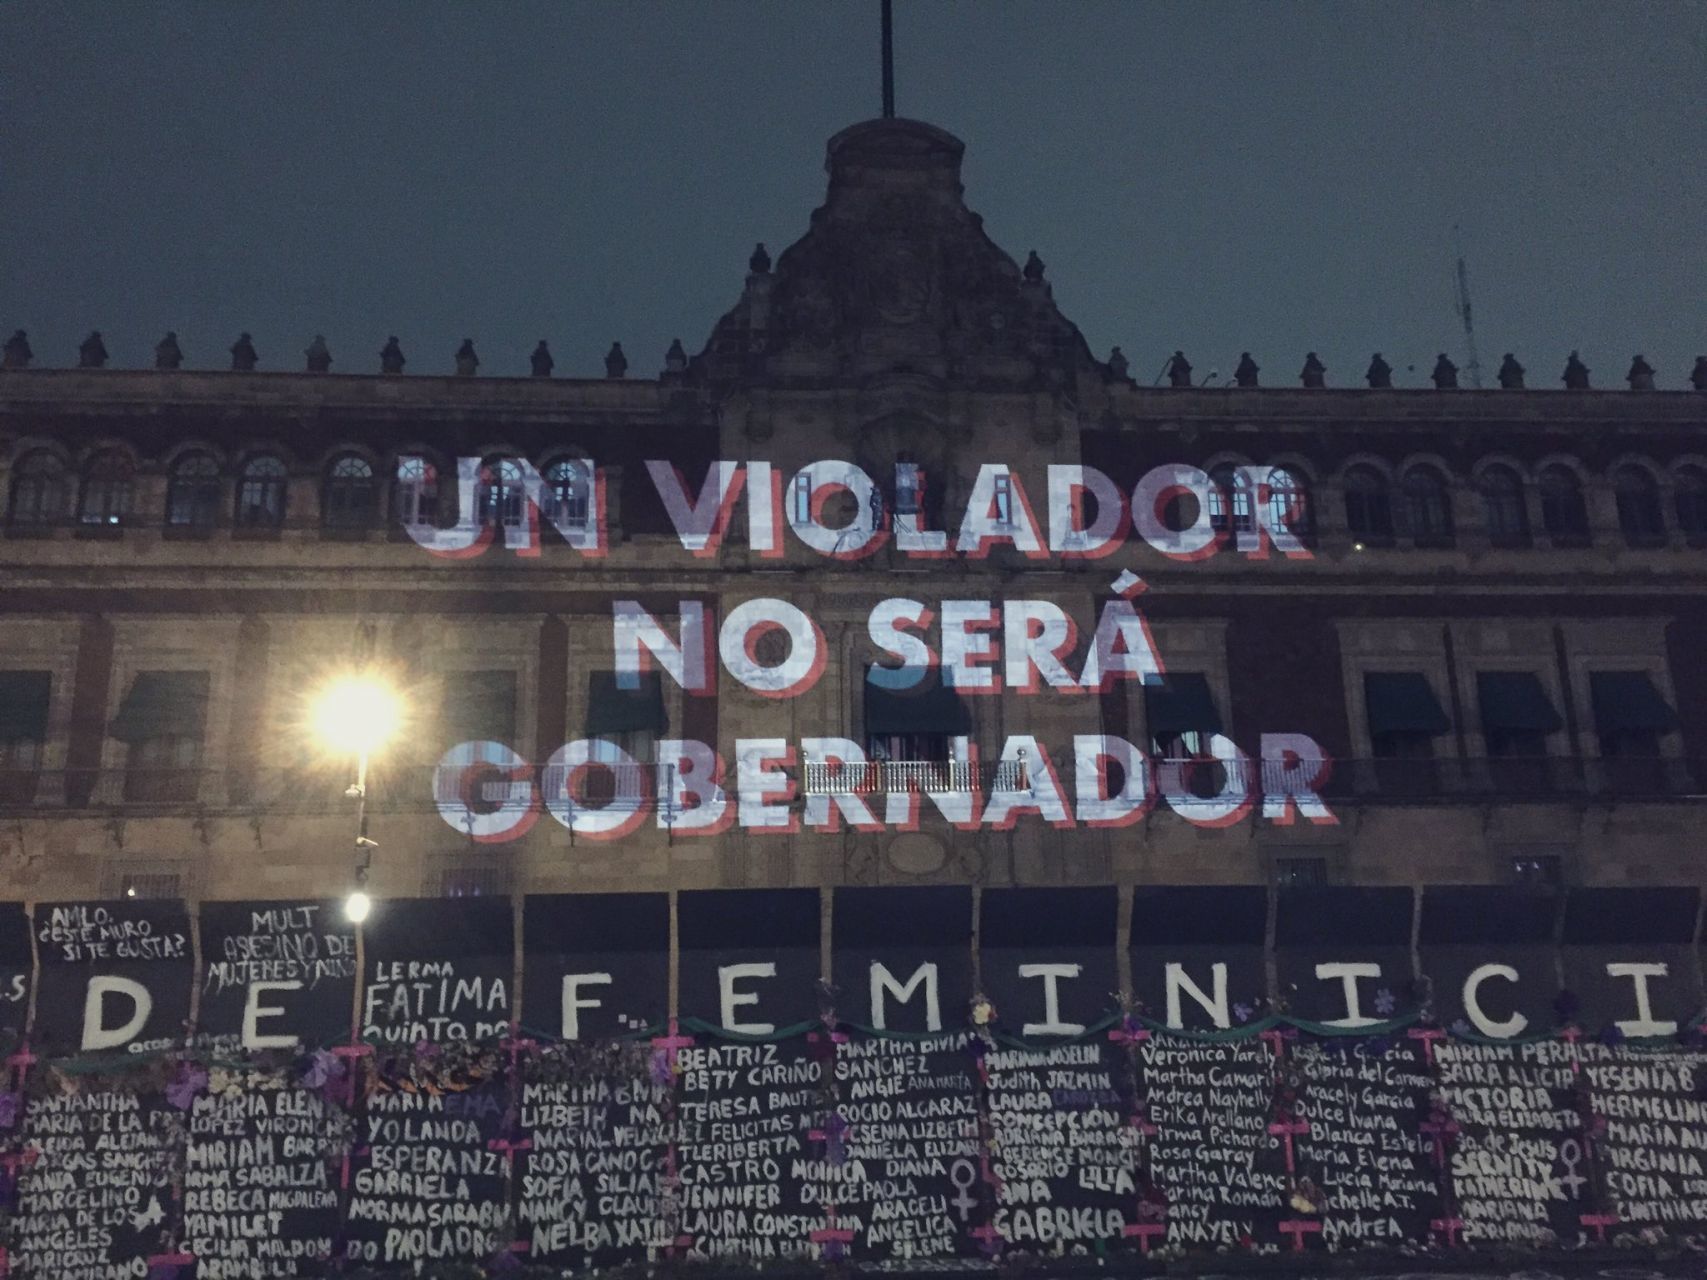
896 277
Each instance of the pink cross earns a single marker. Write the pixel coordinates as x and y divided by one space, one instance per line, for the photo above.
1142 1123
1570 1035
1428 1035
516 1045
1145 1231
1286 1132
672 1043
831 1235
23 1059
1442 1132
989 1237
1451 1226
12 1159
5 1263
1120 1035
172 1260
1298 1228
679 1242
1277 1038
836 1037
1600 1222
509 1148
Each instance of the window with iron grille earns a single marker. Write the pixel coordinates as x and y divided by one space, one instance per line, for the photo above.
566 500
152 884
41 491
1538 870
1293 873
192 493
261 494
348 500
106 490
480 880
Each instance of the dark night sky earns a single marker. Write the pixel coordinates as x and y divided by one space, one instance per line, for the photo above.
1201 175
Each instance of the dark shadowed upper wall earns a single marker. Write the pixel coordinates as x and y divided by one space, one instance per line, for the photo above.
1207 176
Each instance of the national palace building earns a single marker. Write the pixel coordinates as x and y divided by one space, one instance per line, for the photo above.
895 582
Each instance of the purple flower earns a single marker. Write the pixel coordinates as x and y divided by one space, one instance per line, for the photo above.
426 1050
1242 1012
323 1069
1459 1027
661 1073
186 1084
10 1105
1385 1003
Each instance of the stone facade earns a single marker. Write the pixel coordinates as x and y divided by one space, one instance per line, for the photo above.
1444 535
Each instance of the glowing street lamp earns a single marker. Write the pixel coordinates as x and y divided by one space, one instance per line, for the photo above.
356 715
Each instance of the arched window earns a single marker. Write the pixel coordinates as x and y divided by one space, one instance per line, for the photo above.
106 489
1504 505
1564 514
1639 512
40 490
1289 502
415 494
1691 504
1368 505
1230 495
261 494
1428 510
503 499
567 493
348 499
192 492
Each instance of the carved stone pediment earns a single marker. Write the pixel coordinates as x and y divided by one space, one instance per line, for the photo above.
896 277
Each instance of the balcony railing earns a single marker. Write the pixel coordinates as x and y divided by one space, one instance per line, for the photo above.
404 788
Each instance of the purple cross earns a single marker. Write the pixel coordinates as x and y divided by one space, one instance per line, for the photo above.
988 1237
1128 1037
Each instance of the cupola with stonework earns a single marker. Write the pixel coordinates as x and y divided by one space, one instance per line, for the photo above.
895 277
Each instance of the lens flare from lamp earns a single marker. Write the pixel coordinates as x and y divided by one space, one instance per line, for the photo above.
357 906
356 714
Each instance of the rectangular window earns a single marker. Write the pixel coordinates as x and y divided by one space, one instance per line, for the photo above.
480 706
1004 503
479 880
907 486
800 499
1538 870
162 721
23 732
1297 873
151 884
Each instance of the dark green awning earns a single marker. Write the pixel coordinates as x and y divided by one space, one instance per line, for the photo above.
480 706
163 704
1627 700
1515 702
23 705
928 707
1182 703
612 709
1402 702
